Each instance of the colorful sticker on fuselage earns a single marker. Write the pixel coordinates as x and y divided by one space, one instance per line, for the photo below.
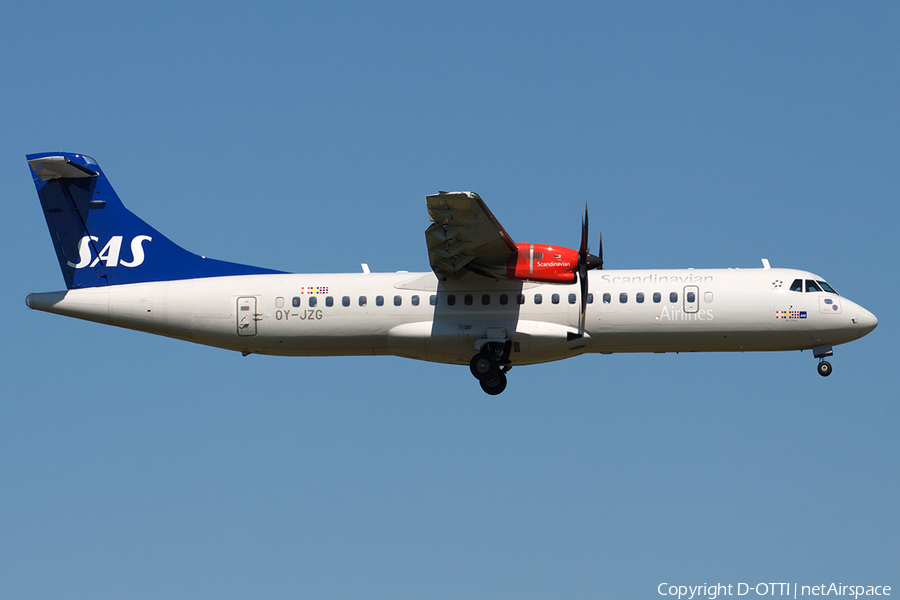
790 314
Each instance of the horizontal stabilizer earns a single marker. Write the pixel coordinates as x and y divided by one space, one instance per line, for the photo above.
59 167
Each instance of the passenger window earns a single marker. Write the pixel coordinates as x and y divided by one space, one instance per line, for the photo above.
554 298
345 300
451 299
414 300
797 286
639 298
467 299
279 302
707 296
312 301
432 300
812 286
691 297
657 297
379 300
486 299
504 299
295 302
329 301
538 298
590 299
607 298
520 299
398 300
623 297
362 300
673 297
572 299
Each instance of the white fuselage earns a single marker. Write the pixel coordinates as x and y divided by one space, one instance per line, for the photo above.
420 317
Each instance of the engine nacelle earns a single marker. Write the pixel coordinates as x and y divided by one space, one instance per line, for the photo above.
547 264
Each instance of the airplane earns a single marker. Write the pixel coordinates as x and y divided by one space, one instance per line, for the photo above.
489 302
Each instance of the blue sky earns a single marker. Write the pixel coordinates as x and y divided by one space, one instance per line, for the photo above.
304 137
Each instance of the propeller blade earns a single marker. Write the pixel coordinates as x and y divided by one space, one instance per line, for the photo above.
583 258
600 253
583 249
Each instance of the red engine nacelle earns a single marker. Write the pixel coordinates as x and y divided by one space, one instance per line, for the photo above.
547 264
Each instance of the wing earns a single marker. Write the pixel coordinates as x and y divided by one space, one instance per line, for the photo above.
465 236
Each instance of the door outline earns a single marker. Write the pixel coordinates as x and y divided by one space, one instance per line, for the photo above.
246 316
691 307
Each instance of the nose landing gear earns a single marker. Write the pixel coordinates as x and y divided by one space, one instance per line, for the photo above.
821 352
491 365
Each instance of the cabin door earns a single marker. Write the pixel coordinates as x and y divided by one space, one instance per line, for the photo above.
246 316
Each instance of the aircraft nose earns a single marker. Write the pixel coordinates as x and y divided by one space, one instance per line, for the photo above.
865 322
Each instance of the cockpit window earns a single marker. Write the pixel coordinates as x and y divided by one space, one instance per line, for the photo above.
812 286
797 286
826 287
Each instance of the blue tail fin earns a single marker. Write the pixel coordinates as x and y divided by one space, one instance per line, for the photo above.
100 242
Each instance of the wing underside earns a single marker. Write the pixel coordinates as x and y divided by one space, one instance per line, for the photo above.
466 237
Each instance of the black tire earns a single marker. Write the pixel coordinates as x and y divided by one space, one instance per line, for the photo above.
824 368
483 366
495 384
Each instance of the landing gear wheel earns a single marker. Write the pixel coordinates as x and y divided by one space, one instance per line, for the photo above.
483 366
494 384
824 368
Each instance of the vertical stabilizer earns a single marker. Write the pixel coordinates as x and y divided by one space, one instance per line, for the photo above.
100 242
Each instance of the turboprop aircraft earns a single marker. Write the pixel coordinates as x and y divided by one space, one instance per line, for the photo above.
489 302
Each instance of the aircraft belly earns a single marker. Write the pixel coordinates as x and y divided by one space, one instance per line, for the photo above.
349 336
319 346
711 341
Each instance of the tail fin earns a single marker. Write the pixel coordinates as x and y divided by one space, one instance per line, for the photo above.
100 242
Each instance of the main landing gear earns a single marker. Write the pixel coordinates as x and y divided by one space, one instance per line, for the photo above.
821 352
491 365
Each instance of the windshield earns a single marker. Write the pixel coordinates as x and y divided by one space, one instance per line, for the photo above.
826 287
812 286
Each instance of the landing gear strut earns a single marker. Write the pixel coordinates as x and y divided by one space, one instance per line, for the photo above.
491 365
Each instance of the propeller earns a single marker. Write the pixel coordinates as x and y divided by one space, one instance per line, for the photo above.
586 262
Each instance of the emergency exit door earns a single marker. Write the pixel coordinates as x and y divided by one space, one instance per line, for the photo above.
246 316
691 298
